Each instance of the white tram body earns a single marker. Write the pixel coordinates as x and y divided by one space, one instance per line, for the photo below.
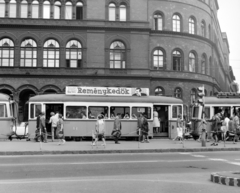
76 125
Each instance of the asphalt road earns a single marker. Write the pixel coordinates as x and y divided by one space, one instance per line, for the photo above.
170 172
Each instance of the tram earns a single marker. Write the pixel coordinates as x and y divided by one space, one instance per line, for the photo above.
80 113
8 117
213 105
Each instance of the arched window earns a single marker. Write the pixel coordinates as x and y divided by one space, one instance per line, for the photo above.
79 11
35 9
178 93
192 62
46 10
203 29
157 59
12 9
123 12
6 52
2 8
191 24
193 96
57 10
112 12
28 53
24 9
117 55
51 54
177 61
74 54
176 23
158 21
203 64
68 10
159 91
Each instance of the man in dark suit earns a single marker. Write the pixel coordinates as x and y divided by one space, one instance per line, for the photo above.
117 126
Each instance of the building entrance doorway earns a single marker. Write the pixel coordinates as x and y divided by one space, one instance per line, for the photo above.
23 104
163 116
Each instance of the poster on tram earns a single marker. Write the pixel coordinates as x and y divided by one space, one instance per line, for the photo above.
107 91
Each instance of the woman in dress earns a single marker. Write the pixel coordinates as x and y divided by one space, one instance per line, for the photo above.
156 122
59 132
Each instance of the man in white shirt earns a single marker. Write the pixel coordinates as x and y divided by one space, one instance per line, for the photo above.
53 120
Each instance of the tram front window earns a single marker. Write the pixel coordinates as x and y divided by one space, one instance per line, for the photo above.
3 112
93 112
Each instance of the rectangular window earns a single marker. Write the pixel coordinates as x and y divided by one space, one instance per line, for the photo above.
112 14
12 10
176 63
35 110
124 111
94 111
34 11
76 112
137 110
123 14
2 9
79 13
176 110
24 11
3 110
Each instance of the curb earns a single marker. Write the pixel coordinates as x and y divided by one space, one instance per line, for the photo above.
221 178
105 151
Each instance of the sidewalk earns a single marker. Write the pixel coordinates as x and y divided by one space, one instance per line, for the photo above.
23 147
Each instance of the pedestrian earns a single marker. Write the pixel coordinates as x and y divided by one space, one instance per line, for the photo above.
156 122
215 129
100 130
60 130
143 126
179 129
117 126
53 121
43 127
235 127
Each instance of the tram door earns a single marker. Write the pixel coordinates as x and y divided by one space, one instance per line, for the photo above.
52 108
163 113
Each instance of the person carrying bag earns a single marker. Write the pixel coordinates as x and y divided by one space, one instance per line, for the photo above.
117 126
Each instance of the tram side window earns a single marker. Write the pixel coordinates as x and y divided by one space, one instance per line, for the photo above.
94 111
176 110
76 112
137 110
35 110
3 110
124 111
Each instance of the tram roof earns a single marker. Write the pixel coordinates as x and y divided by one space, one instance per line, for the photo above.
4 97
223 101
116 99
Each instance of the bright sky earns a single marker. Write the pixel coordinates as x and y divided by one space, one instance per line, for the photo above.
229 19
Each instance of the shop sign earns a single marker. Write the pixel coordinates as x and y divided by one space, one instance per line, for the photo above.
106 91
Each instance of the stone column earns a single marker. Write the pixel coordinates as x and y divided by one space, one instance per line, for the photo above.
74 10
40 9
18 14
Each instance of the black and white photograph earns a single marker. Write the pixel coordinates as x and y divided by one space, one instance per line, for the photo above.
119 96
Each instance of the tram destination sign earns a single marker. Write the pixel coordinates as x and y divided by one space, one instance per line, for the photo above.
106 91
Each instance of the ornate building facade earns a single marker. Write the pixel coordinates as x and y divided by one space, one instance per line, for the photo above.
169 46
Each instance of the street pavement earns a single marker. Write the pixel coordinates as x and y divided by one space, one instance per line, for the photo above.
23 147
172 172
